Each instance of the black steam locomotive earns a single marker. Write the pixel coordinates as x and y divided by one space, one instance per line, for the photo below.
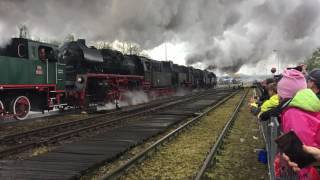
99 71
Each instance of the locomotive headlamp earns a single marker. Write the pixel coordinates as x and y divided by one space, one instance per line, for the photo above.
80 79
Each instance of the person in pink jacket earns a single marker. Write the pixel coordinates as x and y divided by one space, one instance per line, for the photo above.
301 114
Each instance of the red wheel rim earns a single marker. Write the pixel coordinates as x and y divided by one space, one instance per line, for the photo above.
21 107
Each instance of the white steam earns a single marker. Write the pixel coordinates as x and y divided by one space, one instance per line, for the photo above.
134 98
182 92
128 98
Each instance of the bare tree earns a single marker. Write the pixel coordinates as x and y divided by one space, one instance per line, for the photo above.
129 48
103 45
314 60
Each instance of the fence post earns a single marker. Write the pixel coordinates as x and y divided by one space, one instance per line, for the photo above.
274 133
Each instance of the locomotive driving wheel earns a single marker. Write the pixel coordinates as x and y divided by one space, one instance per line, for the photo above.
21 107
2 110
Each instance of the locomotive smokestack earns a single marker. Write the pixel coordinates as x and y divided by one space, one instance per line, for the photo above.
82 41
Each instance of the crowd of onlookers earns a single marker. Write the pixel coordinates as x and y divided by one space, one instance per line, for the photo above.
294 98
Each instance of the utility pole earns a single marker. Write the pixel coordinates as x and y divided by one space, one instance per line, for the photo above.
266 70
130 49
277 58
165 51
278 62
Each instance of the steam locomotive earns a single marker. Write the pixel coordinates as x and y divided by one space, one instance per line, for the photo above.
36 76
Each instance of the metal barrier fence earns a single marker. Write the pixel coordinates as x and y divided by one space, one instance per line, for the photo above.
271 130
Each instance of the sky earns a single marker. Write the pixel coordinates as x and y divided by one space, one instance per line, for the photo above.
230 35
174 52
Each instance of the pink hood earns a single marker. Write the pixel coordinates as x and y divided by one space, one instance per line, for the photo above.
291 82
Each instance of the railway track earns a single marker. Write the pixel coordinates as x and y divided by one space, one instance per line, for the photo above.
234 156
91 110
74 123
122 170
70 115
73 159
21 142
219 142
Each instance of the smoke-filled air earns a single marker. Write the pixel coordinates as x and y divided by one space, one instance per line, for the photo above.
223 34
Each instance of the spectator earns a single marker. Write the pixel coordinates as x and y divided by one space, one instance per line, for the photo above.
298 68
268 104
265 96
313 81
263 86
275 112
301 113
302 68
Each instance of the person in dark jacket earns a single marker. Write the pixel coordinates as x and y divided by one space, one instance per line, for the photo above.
313 81
271 103
264 94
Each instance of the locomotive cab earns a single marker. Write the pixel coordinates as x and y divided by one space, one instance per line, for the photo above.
212 79
30 75
45 53
132 65
180 76
147 71
29 50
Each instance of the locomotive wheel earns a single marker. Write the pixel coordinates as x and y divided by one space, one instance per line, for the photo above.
2 110
21 107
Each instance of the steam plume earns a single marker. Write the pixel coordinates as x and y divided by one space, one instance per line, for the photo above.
223 33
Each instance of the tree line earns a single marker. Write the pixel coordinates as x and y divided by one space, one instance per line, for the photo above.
314 60
128 48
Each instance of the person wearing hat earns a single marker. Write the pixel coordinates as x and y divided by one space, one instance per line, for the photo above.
313 81
264 91
300 113
271 103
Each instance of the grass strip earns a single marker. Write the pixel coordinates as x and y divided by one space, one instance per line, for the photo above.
182 157
239 158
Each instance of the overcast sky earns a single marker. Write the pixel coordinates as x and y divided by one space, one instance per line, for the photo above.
232 35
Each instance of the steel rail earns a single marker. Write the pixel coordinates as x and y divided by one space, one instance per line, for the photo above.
217 145
67 134
90 120
139 157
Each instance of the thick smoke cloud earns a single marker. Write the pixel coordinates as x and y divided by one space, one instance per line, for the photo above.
219 33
